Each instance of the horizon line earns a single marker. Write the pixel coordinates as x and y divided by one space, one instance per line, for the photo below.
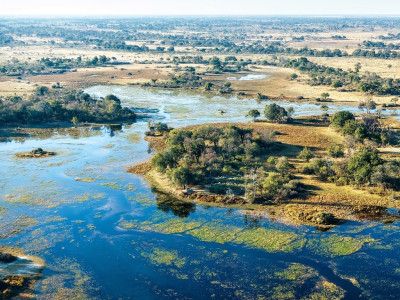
191 15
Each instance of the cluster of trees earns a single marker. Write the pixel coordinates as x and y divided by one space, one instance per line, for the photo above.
390 36
381 45
226 160
273 112
61 106
5 40
367 127
356 161
47 65
323 75
363 168
157 128
383 54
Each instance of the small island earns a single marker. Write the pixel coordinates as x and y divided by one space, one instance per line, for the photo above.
305 170
37 153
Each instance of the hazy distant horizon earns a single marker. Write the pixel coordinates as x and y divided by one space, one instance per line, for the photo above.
179 8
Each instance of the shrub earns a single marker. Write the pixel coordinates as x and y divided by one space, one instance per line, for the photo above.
275 113
339 119
336 151
305 154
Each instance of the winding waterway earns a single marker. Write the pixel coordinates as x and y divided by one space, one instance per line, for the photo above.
105 234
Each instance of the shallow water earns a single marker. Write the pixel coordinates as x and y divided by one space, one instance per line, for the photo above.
114 237
249 77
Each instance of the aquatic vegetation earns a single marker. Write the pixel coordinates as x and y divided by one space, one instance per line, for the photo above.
326 291
213 232
112 185
109 146
130 187
13 226
3 210
271 240
87 196
134 138
144 200
128 225
335 245
283 292
84 179
47 237
176 109
160 256
297 272
22 199
47 183
56 219
68 281
177 226
82 198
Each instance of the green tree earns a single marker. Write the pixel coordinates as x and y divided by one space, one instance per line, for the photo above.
94 61
340 118
361 165
161 127
290 112
112 98
42 90
216 63
208 86
337 84
325 96
336 151
75 121
282 165
305 154
275 113
181 176
253 113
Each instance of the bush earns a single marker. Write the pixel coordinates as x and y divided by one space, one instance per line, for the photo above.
275 113
336 151
340 118
305 154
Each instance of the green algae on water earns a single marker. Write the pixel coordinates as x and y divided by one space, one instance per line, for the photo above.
68 281
160 256
326 290
215 233
271 240
176 226
336 245
297 272
112 185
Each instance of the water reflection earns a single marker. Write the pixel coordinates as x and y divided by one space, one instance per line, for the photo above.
168 204
22 134
251 221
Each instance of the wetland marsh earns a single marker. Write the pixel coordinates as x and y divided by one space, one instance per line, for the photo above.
106 234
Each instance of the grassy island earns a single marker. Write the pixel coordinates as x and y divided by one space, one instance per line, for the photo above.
307 170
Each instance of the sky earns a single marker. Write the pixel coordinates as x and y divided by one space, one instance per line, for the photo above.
199 7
